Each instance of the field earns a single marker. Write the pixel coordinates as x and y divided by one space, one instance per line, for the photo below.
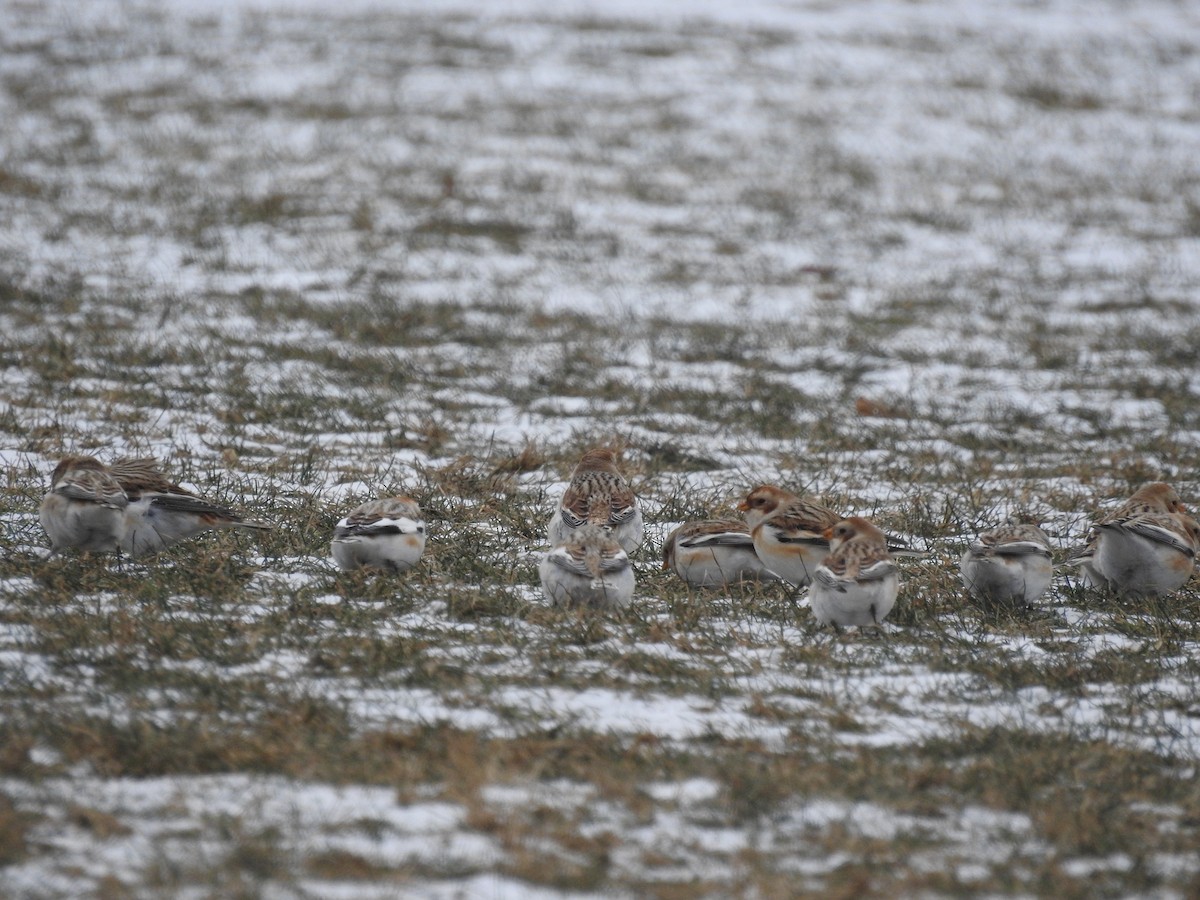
934 263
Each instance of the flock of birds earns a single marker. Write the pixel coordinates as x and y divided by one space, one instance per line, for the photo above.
1146 547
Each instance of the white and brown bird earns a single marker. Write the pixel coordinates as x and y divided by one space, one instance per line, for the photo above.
598 494
1010 565
1145 548
590 570
857 583
714 553
790 532
160 513
381 534
129 506
85 507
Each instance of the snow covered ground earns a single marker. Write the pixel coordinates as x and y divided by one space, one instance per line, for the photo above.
934 262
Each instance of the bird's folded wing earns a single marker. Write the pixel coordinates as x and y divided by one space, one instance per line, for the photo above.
1018 548
830 579
92 491
569 563
793 535
614 563
376 526
719 538
572 520
619 514
187 504
876 571
1157 533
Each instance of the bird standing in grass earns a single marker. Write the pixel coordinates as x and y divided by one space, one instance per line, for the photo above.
129 506
85 507
791 533
381 534
588 570
1010 565
857 583
1145 548
598 494
714 553
788 532
161 513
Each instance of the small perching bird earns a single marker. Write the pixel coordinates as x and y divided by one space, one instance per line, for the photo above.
129 506
161 513
380 534
1145 548
598 494
84 508
791 533
857 583
589 569
714 553
1010 565
788 532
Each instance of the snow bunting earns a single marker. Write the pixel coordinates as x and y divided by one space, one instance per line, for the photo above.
598 495
85 507
589 569
714 553
790 533
1009 565
857 583
1155 497
161 513
1146 547
380 534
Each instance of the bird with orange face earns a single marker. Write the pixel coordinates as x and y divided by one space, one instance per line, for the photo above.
857 582
790 532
